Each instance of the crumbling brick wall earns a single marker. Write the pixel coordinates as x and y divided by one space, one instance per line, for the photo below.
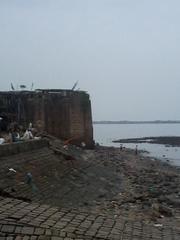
63 113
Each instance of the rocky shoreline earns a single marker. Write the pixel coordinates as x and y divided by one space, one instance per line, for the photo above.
149 188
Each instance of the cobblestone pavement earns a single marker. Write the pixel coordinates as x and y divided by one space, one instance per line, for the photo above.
22 220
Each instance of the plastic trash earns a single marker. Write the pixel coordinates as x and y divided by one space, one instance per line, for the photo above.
158 225
2 140
12 170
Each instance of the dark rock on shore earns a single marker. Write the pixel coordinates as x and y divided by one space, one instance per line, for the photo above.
165 140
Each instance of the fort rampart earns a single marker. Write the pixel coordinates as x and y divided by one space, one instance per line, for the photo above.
65 114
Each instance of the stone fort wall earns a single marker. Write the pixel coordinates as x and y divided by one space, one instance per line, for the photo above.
62 113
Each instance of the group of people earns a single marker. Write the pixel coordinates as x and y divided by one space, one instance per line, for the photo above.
16 133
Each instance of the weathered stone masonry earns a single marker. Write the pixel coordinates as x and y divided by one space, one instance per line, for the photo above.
62 113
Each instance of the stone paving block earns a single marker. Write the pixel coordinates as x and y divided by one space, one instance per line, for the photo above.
93 230
39 231
48 232
40 218
57 238
115 231
60 225
55 232
35 223
9 238
8 228
115 237
90 238
73 225
70 229
81 217
26 219
145 238
26 237
70 215
126 235
27 230
104 229
91 233
2 238
79 232
76 221
50 223
44 225
71 235
137 233
177 237
43 237
18 237
102 235
96 225
34 238
18 229
62 234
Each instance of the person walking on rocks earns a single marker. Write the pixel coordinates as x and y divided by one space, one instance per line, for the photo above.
136 150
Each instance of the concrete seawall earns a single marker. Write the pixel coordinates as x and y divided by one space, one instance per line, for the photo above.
19 147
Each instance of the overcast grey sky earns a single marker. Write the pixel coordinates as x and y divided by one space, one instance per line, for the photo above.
125 53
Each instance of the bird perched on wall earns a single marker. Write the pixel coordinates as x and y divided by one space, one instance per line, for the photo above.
12 87
32 85
74 86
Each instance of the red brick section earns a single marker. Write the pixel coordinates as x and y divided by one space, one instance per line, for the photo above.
21 220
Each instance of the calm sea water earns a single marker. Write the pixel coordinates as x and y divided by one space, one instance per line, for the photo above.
104 134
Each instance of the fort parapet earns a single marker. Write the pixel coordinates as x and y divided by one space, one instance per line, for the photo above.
62 113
